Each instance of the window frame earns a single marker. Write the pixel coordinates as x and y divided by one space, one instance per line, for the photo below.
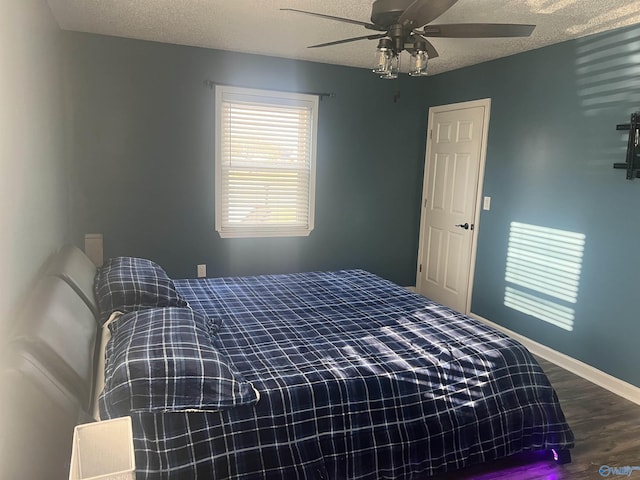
230 94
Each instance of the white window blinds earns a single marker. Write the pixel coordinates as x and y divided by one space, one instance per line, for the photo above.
265 162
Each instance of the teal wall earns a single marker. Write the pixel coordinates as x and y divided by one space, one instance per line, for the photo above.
34 170
144 123
143 154
552 143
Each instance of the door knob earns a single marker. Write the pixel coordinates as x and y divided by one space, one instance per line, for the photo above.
463 225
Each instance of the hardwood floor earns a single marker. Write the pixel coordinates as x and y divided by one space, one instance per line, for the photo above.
606 429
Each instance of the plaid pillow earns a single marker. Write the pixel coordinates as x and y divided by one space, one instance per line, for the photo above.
126 284
141 265
163 360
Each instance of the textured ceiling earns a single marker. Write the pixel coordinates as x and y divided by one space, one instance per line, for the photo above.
258 26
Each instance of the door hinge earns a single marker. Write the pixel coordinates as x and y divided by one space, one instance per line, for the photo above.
420 268
431 134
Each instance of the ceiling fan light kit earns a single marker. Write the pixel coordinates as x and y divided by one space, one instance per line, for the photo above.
419 59
387 62
401 21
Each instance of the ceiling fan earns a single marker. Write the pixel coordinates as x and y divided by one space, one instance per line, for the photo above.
405 25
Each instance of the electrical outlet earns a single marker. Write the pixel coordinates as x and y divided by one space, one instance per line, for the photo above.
202 270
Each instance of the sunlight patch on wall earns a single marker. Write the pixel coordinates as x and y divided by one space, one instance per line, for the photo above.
607 68
550 312
543 272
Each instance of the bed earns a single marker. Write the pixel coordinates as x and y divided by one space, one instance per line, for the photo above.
345 375
317 375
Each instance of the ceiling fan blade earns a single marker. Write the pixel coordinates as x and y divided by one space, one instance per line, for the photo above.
346 40
421 12
478 30
370 26
431 50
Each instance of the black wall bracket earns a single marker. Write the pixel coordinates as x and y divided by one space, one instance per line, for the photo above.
632 165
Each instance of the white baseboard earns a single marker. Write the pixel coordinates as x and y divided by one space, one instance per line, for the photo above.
600 378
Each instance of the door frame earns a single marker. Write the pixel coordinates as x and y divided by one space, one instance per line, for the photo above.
486 103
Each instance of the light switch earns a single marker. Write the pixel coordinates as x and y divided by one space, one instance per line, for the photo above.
487 203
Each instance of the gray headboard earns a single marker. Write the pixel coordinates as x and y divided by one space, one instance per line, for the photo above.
75 268
47 371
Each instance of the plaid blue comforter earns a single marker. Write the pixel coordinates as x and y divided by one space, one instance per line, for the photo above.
358 379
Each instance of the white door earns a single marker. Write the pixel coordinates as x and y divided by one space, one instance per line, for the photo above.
452 183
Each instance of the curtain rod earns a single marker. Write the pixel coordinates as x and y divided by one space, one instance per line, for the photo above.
211 84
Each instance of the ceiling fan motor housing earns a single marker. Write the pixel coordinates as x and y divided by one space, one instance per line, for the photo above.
386 12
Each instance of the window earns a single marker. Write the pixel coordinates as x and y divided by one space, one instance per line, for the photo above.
265 162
